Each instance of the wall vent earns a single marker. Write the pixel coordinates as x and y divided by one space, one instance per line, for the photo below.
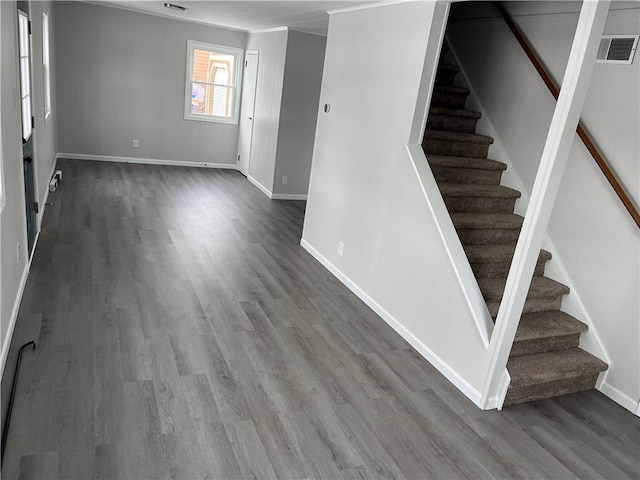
617 49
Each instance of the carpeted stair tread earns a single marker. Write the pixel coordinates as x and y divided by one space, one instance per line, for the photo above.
451 90
466 162
457 137
486 220
495 253
447 67
493 288
471 190
553 366
455 112
539 325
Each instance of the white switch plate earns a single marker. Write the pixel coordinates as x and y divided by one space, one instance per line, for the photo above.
136 143
285 180
340 248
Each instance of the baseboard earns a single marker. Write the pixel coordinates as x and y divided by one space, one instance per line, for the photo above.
620 398
46 195
262 188
14 316
145 161
288 196
462 385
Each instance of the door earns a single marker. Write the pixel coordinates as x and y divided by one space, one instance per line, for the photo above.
246 110
24 53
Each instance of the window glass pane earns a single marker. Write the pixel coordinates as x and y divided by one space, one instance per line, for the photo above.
211 67
23 26
26 117
24 77
207 99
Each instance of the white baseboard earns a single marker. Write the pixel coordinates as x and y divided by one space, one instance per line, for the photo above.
145 161
288 196
620 398
462 385
14 316
46 196
262 188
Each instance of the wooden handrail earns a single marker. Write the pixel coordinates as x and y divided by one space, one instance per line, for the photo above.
546 78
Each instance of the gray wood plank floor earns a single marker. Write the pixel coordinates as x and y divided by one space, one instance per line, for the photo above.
183 333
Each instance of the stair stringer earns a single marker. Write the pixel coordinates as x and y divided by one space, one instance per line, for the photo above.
572 304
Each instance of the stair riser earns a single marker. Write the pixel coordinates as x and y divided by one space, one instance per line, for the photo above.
448 99
445 78
549 390
466 175
480 204
501 269
551 344
451 124
455 149
488 236
531 305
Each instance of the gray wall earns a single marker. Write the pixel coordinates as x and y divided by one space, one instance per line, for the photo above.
121 75
299 111
596 239
271 62
12 217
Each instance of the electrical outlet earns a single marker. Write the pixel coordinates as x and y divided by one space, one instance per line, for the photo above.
285 180
340 248
19 252
136 143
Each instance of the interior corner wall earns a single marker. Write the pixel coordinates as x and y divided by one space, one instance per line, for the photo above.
121 76
596 239
272 47
299 111
365 193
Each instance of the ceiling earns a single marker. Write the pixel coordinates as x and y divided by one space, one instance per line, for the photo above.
304 15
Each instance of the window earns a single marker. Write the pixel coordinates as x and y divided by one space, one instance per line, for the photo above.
213 82
46 65
25 74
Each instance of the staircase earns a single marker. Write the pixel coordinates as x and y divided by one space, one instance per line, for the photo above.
545 360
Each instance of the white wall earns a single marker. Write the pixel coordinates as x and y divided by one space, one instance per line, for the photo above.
365 193
121 76
299 111
271 62
596 239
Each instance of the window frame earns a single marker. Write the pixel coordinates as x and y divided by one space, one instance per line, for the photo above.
46 64
235 88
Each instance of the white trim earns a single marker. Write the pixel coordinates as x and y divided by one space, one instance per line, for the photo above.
620 398
262 188
235 89
287 196
462 385
14 313
146 161
367 6
269 30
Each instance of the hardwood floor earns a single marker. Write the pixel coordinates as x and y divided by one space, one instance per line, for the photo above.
183 333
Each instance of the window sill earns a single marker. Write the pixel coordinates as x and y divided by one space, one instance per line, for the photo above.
228 121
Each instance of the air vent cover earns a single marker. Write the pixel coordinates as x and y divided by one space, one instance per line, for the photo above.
617 49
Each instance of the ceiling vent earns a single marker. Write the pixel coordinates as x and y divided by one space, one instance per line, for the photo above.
617 49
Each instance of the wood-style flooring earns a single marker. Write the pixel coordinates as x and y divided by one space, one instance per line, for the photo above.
183 333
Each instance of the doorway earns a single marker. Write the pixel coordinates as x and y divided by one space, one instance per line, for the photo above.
249 83
24 54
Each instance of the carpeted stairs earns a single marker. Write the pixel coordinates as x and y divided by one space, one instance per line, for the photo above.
545 360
